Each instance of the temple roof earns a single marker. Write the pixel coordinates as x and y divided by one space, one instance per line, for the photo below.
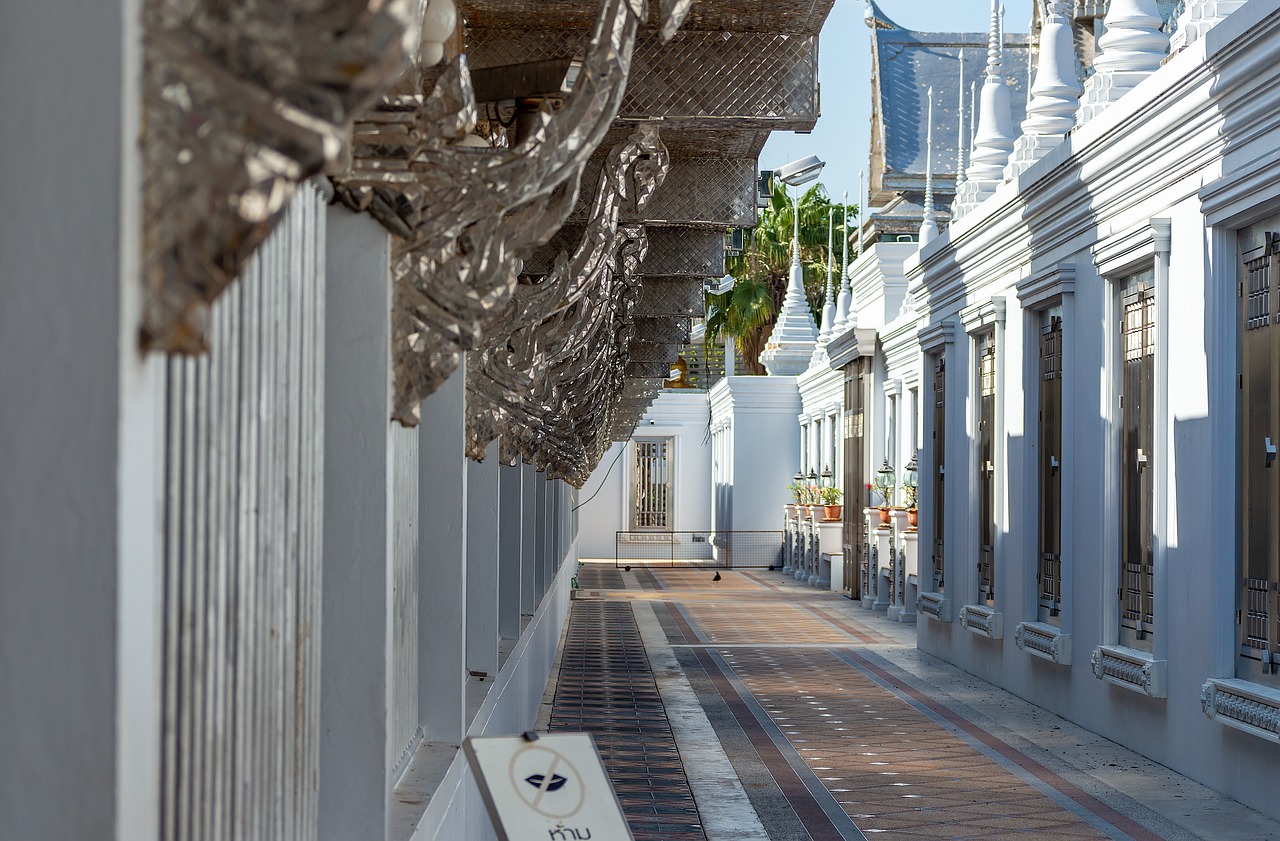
904 65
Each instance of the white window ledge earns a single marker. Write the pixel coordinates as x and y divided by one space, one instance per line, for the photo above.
1244 705
1045 641
983 621
1131 668
934 605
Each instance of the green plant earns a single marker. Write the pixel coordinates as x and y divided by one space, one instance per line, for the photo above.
885 491
912 494
749 311
797 492
832 496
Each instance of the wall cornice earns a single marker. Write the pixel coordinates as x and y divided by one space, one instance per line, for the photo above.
1050 283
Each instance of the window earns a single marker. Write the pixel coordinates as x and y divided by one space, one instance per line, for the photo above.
986 344
1049 572
652 509
1137 569
1259 573
939 365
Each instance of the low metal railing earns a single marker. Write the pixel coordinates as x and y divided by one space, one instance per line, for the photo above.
699 549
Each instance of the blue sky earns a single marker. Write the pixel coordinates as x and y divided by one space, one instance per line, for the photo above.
842 135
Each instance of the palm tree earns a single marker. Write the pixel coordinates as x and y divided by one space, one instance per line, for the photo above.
748 311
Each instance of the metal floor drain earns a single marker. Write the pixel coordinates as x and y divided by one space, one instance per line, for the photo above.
606 688
594 577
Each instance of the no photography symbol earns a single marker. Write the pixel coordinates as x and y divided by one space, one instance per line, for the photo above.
546 781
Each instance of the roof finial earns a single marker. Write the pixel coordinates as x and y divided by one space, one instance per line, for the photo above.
995 46
960 145
846 296
929 227
829 300
861 210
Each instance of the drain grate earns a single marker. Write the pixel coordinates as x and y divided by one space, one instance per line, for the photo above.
606 688
594 577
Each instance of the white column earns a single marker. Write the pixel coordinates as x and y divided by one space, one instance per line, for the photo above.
79 535
510 513
483 513
354 697
529 593
443 548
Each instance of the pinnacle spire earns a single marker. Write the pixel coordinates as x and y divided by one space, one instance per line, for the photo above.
993 143
845 298
829 300
960 145
1056 92
929 227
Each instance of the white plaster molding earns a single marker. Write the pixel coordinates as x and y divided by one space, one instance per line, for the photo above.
935 335
1244 705
1130 668
1122 253
983 315
1247 194
983 621
853 343
936 606
1047 285
892 387
1045 641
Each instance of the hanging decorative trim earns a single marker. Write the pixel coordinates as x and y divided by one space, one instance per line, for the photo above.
241 103
557 337
484 209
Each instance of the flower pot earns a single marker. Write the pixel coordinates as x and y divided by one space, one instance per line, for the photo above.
885 516
913 518
831 513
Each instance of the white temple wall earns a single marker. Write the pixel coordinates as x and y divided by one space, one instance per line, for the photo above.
1162 180
680 415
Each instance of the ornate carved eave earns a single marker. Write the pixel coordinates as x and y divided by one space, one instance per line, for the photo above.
241 103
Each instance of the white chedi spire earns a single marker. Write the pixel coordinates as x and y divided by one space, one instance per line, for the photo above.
1130 49
963 143
1055 93
994 141
829 299
929 226
845 296
790 345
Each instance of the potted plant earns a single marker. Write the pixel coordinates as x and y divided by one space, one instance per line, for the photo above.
831 503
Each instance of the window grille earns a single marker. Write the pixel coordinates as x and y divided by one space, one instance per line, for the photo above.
1137 568
939 469
986 468
1259 575
653 486
1049 575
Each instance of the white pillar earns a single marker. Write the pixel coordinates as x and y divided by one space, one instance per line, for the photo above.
529 592
510 513
443 553
483 513
79 490
354 653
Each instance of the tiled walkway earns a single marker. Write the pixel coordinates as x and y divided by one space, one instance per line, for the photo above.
829 725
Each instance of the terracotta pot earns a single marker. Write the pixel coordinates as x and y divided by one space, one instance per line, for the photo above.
885 516
913 517
831 512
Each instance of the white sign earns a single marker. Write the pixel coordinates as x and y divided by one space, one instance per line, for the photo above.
551 789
